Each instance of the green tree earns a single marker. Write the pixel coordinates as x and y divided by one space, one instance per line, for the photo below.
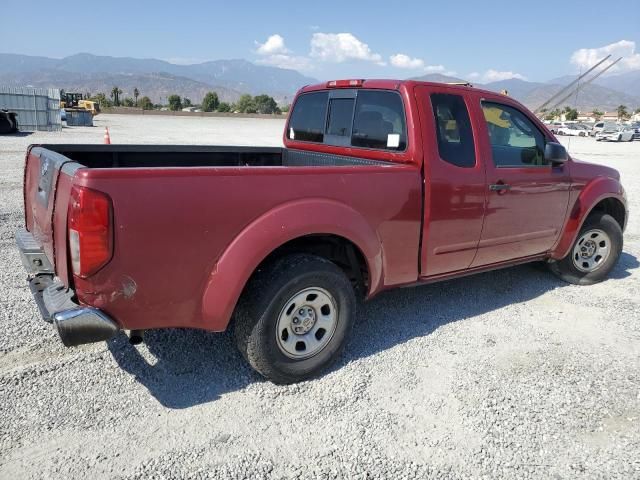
285 109
145 103
224 107
175 103
597 114
136 94
637 110
555 114
245 104
102 100
210 102
115 94
622 112
572 114
127 102
186 102
265 104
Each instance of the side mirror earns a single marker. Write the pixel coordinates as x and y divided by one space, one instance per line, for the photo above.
555 153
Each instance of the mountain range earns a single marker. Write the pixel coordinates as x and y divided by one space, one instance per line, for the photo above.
605 93
158 79
155 78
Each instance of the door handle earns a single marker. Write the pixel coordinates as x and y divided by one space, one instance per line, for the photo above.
499 187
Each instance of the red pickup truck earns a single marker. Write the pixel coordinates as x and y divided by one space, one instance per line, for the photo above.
380 184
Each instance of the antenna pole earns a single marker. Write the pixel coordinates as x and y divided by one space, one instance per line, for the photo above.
584 84
537 110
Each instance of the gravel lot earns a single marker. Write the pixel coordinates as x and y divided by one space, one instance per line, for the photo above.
509 374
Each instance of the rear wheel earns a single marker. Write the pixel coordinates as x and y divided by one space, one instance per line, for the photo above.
594 253
294 317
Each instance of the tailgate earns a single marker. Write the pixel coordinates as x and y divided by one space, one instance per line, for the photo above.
47 183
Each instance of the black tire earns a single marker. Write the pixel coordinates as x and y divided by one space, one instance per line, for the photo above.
265 297
567 270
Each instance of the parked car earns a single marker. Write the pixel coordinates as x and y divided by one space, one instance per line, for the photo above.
586 128
380 184
572 129
636 130
8 121
612 132
597 127
556 126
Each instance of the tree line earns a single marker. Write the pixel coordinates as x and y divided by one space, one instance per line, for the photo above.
245 104
572 114
210 103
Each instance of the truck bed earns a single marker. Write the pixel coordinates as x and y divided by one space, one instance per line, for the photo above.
178 210
150 156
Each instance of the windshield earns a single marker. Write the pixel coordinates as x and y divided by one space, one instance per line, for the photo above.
610 127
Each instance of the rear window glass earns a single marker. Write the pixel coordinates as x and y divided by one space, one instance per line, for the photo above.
453 129
308 116
379 121
340 116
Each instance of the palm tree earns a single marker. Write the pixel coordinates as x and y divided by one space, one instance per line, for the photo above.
136 92
622 112
115 94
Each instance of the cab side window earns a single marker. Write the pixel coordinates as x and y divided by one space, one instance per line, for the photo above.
515 140
453 130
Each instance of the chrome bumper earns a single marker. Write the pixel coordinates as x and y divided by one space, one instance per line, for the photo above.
76 324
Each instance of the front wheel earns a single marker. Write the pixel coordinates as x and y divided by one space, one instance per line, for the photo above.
594 253
294 317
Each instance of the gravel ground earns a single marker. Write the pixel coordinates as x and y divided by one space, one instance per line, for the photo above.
510 374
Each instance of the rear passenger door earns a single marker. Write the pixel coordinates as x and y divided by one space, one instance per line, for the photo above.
527 196
454 186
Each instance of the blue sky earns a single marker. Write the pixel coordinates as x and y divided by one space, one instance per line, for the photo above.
535 40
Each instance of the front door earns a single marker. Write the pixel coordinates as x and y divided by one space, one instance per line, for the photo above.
527 195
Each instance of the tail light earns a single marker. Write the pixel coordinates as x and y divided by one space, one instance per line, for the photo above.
90 230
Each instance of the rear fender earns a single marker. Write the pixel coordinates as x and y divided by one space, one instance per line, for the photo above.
593 193
273 229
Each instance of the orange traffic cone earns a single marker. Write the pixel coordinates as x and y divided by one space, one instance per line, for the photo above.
107 138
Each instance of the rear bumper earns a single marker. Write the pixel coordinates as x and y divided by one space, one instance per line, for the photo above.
76 324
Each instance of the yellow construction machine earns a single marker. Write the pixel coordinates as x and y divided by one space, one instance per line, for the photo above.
76 101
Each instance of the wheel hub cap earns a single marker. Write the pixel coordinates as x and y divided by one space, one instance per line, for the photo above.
306 323
304 320
591 250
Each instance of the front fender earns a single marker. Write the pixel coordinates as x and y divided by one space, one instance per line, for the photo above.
273 229
593 193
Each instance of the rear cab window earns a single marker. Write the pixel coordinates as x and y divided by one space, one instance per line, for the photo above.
361 118
308 117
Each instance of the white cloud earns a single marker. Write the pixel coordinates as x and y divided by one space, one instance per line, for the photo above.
287 61
275 53
473 76
495 76
401 60
339 47
274 45
588 57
